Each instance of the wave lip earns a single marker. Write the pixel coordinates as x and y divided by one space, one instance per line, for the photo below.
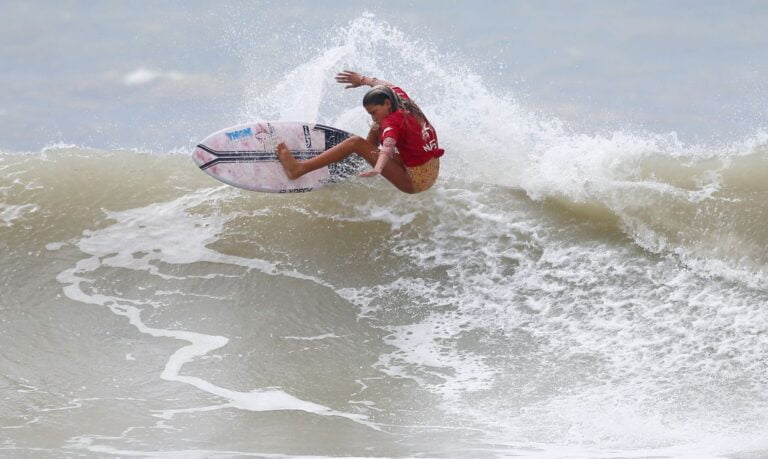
704 206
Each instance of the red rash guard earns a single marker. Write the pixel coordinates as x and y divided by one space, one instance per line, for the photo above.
415 144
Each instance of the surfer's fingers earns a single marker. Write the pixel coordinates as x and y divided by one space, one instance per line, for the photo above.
369 173
348 76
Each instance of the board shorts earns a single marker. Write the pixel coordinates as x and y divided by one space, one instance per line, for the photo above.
425 175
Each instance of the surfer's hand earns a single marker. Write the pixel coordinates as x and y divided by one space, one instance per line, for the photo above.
378 167
353 79
370 173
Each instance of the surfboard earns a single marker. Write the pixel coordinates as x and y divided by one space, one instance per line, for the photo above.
244 156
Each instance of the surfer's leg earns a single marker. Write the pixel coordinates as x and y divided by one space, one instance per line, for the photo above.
394 170
296 168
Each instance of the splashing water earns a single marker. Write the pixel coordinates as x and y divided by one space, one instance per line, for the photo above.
670 198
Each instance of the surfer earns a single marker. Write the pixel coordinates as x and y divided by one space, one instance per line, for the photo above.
401 144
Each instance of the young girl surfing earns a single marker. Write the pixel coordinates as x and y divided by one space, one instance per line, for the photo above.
401 145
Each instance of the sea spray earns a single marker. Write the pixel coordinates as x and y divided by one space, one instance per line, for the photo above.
492 137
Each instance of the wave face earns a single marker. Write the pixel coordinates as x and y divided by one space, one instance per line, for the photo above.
556 294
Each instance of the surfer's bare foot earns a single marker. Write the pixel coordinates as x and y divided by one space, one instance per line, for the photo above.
290 164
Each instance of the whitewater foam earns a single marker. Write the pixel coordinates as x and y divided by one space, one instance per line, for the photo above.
11 213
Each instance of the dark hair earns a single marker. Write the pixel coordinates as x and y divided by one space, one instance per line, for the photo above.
378 94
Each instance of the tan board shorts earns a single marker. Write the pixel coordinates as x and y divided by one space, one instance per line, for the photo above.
425 175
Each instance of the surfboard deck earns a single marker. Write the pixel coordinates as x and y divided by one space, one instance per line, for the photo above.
244 156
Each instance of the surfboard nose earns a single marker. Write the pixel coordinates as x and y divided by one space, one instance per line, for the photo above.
201 156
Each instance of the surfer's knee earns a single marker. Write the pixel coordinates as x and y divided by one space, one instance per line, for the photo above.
360 145
363 145
356 140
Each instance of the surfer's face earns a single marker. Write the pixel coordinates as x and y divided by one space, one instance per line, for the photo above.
379 112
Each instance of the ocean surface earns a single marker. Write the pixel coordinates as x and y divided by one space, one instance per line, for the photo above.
588 278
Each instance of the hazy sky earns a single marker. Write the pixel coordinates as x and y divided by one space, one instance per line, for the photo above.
153 74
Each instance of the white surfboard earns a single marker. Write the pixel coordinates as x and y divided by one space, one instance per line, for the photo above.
244 156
